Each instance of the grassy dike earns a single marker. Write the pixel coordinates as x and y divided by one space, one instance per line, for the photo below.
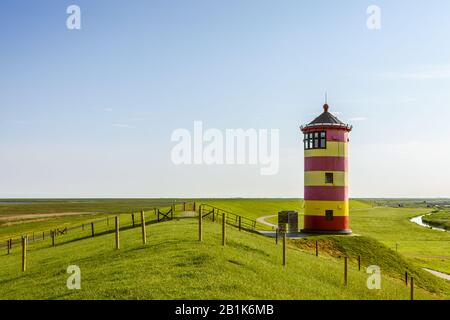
175 265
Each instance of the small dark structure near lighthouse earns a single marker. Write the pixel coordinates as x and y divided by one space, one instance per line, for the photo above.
288 222
326 175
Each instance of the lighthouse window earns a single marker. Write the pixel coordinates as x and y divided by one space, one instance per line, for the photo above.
329 177
329 215
322 143
315 140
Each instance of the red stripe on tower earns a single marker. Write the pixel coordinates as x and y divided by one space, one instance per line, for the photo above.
321 223
326 193
326 164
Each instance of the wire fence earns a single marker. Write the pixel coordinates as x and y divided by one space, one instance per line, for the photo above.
92 228
238 221
130 220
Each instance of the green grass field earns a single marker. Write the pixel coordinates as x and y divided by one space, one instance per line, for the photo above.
174 265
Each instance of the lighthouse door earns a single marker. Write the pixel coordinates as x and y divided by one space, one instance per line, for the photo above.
329 215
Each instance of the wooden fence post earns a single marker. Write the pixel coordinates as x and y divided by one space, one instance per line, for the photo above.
132 219
317 248
24 253
200 235
193 207
117 232
224 221
158 215
284 248
276 236
7 246
406 278
144 232
171 212
412 288
345 271
359 263
107 221
240 224
53 237
184 206
92 230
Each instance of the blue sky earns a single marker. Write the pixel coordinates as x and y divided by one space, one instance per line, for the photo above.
90 112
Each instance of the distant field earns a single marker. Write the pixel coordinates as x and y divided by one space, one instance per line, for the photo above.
34 208
409 202
37 206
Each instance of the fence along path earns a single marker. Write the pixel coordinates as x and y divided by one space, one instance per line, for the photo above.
95 227
238 221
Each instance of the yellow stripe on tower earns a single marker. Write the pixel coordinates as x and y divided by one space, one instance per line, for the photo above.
317 178
317 208
334 149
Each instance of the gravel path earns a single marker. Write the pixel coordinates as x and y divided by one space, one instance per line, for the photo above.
438 274
263 221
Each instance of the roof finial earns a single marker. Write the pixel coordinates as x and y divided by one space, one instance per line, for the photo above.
325 106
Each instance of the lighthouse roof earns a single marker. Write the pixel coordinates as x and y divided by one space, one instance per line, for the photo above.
327 119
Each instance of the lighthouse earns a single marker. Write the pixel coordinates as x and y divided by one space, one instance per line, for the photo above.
326 205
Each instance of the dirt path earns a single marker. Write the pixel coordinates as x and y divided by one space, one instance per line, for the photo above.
19 217
438 274
263 221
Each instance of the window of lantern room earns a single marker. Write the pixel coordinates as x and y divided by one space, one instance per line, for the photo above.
315 140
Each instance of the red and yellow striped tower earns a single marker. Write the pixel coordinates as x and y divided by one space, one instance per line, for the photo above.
326 177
